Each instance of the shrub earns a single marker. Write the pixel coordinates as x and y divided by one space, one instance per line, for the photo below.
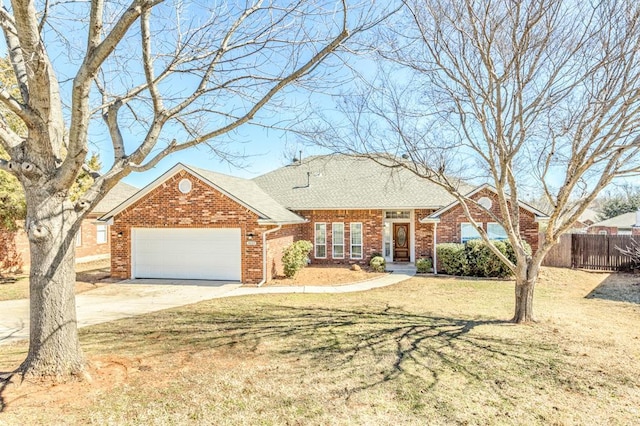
482 262
452 259
377 264
296 257
475 258
423 265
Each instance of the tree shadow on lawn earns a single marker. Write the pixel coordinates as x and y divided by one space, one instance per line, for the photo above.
369 347
618 287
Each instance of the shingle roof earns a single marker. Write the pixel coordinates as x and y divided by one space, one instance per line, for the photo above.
249 193
116 196
626 220
342 182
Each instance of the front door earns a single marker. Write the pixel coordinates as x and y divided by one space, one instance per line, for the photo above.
400 242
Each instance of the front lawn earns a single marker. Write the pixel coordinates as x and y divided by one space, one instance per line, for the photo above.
426 351
89 276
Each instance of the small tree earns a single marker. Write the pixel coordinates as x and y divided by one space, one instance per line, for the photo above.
633 251
528 96
296 257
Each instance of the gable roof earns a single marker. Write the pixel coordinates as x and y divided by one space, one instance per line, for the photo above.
116 196
625 220
341 182
435 216
243 191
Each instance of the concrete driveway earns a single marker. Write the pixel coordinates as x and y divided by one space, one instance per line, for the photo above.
115 301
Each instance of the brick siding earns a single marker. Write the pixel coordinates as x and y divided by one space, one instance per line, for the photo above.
203 207
449 229
14 245
372 229
276 243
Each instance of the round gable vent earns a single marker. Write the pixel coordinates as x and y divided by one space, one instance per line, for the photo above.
485 202
185 186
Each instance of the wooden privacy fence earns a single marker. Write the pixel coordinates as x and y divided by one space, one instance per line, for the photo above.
590 251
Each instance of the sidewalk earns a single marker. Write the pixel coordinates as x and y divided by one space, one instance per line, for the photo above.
384 281
136 297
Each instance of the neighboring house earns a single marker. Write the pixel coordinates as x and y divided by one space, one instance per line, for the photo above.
196 224
92 241
586 219
624 224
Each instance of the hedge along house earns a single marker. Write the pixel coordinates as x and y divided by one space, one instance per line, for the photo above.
196 224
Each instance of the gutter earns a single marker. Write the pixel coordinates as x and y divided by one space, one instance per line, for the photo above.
264 253
435 245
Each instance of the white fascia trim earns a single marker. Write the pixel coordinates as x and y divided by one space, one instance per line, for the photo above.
273 222
429 219
537 213
364 208
165 176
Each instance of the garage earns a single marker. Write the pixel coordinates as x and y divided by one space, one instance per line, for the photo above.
186 253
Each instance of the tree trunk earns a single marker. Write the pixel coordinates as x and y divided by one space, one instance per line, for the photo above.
54 348
526 278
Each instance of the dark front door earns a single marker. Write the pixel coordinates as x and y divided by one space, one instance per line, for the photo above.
400 242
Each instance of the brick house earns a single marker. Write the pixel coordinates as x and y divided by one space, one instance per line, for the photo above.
92 241
196 224
624 224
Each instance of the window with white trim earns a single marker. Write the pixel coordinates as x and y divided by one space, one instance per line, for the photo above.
469 232
79 238
337 240
320 240
101 234
602 232
355 231
495 231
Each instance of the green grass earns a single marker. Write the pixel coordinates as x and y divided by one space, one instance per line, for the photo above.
427 351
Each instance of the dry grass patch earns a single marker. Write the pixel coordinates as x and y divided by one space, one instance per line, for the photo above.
89 276
426 351
326 275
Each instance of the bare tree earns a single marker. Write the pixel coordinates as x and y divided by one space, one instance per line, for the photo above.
532 97
163 76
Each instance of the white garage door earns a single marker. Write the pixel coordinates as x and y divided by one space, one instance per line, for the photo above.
198 254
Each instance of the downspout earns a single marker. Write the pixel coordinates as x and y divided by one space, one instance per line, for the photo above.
435 251
264 253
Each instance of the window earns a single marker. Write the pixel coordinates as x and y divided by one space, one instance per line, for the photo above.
495 231
402 214
602 232
320 240
101 234
337 239
624 231
468 232
79 238
356 240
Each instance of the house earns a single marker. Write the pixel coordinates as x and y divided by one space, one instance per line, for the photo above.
92 241
624 224
192 223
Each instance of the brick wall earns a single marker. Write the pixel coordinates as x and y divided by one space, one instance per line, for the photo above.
14 245
276 243
89 245
424 234
449 229
14 250
610 230
372 228
203 207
